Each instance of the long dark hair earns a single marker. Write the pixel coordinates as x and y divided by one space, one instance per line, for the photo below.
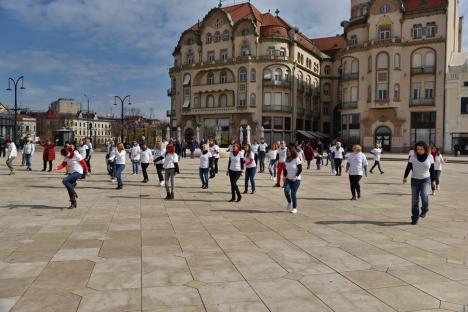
423 144
292 152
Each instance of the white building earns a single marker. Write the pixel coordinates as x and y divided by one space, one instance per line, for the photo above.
26 127
99 130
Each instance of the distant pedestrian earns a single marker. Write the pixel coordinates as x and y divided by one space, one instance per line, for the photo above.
146 157
318 159
439 162
376 151
309 154
171 167
357 167
2 147
338 156
235 168
272 164
421 163
11 154
292 178
89 143
158 156
135 151
250 168
204 166
262 148
48 155
281 159
119 157
28 152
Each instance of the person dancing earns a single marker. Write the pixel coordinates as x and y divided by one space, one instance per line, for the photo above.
135 152
48 155
271 155
77 167
11 154
235 168
119 158
171 167
356 166
377 151
338 156
146 157
250 168
204 166
439 161
281 158
262 148
159 161
292 177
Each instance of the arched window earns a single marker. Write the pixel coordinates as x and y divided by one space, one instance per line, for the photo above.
253 75
253 100
278 74
396 92
382 61
326 70
209 39
210 101
226 35
286 75
223 100
187 80
354 67
210 79
217 36
345 68
267 74
396 61
326 89
416 60
385 8
429 59
242 75
224 77
369 64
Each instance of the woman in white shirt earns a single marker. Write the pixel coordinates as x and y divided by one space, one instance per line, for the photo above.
262 147
135 157
377 151
281 158
254 148
250 168
159 161
235 168
421 163
213 149
338 156
204 166
438 164
11 154
146 157
357 167
171 167
119 159
292 177
272 163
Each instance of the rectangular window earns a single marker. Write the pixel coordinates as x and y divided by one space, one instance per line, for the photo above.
211 56
423 127
278 123
416 91
282 52
465 83
286 99
271 51
266 122
384 33
354 94
278 99
245 51
190 59
382 91
429 90
417 31
242 99
431 30
464 105
267 99
224 55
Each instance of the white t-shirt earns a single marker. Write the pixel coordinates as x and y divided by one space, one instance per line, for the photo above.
282 155
236 161
158 153
249 160
438 162
339 151
135 153
214 151
82 150
421 169
272 154
120 157
301 155
262 147
205 160
291 168
12 151
255 148
357 162
170 160
74 164
376 152
146 156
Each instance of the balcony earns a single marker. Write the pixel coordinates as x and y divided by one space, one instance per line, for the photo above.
277 83
350 76
170 113
277 108
171 92
217 110
349 105
422 102
423 70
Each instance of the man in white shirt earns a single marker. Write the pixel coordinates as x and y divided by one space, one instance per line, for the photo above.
338 156
377 151
262 147
28 152
10 155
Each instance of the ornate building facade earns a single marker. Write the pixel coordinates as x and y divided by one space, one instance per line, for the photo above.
239 67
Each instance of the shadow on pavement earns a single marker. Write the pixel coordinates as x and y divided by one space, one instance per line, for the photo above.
379 223
248 211
32 207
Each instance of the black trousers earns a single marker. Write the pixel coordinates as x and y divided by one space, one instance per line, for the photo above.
88 162
45 165
354 184
212 167
233 177
338 162
144 167
159 169
376 164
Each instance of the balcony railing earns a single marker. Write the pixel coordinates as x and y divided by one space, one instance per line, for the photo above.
423 70
277 83
171 92
349 105
277 108
350 76
422 102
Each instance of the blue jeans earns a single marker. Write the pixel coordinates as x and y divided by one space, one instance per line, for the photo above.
204 176
272 168
135 167
290 191
261 160
28 158
419 188
70 181
437 176
118 174
250 176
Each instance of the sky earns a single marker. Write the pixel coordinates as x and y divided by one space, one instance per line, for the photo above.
102 48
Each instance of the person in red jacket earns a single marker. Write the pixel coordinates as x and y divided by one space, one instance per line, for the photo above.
309 154
77 167
48 156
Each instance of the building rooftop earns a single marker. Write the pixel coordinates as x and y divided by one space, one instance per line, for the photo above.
416 5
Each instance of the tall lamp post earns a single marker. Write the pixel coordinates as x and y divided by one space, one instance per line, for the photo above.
15 84
88 131
122 101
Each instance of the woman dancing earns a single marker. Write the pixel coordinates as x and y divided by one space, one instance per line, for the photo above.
356 166
235 168
48 155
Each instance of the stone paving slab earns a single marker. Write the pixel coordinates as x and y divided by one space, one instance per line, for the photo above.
130 250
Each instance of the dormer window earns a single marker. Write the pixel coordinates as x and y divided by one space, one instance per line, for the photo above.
245 32
384 33
385 8
217 36
226 35
190 41
353 40
245 51
209 39
431 30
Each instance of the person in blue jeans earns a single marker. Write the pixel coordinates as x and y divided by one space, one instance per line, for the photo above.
119 160
204 166
250 168
292 177
421 163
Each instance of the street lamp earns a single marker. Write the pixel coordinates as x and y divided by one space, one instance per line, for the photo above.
122 101
15 83
87 119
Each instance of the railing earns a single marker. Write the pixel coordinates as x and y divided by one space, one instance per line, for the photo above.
423 70
422 102
277 108
349 105
350 76
215 110
171 92
277 83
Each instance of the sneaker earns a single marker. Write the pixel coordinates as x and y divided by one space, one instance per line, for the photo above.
288 207
162 183
294 210
437 187
414 222
423 215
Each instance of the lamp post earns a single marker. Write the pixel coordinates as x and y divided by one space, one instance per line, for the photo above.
122 101
15 83
88 131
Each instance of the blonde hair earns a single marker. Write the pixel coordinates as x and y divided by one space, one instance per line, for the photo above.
357 148
120 147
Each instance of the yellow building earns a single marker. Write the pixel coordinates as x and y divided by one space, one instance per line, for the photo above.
239 67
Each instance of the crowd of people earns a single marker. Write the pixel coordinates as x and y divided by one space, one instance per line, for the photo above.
285 164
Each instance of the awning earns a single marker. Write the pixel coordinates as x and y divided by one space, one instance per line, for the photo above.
322 135
307 134
187 80
186 102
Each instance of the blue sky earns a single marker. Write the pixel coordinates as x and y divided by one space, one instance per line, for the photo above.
66 48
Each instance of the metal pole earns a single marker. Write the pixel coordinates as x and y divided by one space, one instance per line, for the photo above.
87 119
16 114
122 124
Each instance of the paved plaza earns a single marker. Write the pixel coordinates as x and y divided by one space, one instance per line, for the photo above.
130 250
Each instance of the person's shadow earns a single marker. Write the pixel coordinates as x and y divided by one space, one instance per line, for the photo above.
379 223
